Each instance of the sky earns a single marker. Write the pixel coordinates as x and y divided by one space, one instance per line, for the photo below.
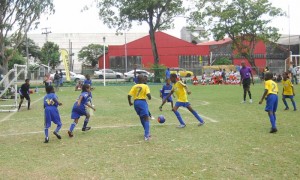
68 18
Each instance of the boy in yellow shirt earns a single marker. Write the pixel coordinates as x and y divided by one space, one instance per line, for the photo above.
288 91
270 93
181 92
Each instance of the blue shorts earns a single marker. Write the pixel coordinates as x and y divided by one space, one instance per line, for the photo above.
141 108
169 99
51 114
288 96
78 111
272 103
182 104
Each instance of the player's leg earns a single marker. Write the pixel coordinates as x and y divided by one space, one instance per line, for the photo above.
146 128
72 127
56 120
293 102
21 101
285 103
175 110
189 107
270 106
27 97
86 121
47 124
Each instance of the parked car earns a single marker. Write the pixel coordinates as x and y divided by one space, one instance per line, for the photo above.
109 74
73 76
128 76
182 72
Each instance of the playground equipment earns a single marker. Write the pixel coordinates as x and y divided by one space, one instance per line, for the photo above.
10 86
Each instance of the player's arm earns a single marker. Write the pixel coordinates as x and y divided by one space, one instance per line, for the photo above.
251 76
79 100
263 97
56 101
293 91
149 96
90 106
129 100
187 89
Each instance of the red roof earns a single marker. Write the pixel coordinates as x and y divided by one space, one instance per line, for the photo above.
209 43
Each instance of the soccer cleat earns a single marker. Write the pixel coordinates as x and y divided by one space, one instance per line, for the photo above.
286 108
295 109
181 126
243 102
152 118
250 101
160 108
273 130
57 135
201 123
46 140
70 134
86 128
147 138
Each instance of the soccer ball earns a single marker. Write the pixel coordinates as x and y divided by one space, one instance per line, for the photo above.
161 119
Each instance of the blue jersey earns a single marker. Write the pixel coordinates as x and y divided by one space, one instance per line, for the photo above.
166 89
87 81
80 110
85 99
50 100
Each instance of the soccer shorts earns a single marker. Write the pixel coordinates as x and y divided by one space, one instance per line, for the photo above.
141 108
288 96
182 104
26 96
246 83
272 103
78 111
169 99
51 114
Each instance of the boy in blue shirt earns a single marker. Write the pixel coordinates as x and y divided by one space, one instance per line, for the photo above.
79 109
165 91
270 93
51 112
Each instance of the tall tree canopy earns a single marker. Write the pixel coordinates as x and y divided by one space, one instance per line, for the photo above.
245 21
50 54
158 14
16 18
90 54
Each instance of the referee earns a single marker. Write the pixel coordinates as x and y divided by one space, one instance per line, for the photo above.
246 73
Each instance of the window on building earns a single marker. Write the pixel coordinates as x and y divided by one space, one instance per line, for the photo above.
119 62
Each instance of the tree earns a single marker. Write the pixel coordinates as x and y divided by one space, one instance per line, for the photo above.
244 21
90 54
33 49
222 61
158 14
16 58
50 54
16 18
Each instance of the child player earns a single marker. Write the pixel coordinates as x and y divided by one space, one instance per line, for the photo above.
140 92
51 112
88 81
24 93
181 91
165 91
79 109
288 91
270 93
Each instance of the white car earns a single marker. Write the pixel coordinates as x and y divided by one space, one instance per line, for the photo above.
73 76
109 74
128 76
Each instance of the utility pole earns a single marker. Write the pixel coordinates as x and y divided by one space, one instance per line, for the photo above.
46 33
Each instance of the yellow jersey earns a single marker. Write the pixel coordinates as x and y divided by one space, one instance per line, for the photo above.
271 86
180 91
139 91
287 87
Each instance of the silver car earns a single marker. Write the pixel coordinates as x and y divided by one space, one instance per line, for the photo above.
109 74
128 76
73 76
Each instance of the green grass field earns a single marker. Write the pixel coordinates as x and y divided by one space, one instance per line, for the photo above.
235 142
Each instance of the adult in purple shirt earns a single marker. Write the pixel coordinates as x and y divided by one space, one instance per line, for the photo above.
246 73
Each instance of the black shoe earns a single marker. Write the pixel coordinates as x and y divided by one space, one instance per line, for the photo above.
86 128
70 134
273 130
286 109
57 135
46 140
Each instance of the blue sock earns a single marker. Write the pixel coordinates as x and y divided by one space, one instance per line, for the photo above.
285 103
46 132
273 121
142 122
179 117
72 126
58 128
294 104
86 121
147 128
197 116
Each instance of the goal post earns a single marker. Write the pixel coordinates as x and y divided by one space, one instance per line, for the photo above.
10 83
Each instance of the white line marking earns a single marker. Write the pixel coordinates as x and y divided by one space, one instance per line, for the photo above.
11 114
99 127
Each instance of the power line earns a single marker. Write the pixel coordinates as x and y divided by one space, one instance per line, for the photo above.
46 32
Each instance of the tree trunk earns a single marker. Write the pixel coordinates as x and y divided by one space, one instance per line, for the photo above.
155 55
